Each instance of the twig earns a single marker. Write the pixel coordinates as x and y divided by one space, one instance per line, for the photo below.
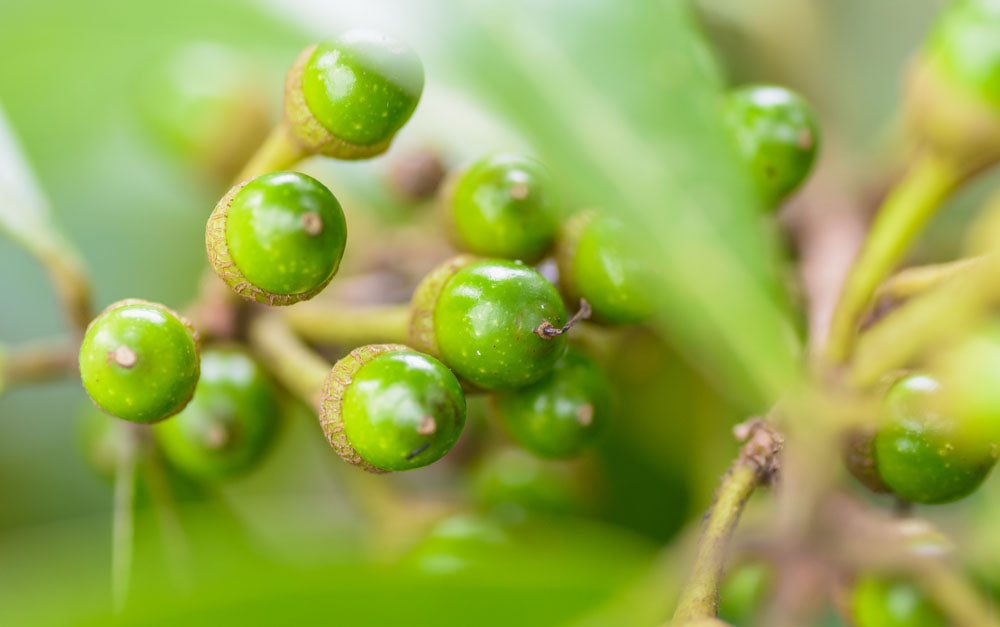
122 523
757 464
37 363
291 362
349 325
902 216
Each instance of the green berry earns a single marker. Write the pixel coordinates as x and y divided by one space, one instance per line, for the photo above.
561 414
459 543
924 455
387 407
511 481
599 262
970 371
953 89
482 318
347 98
776 134
965 47
139 361
229 423
204 103
881 602
503 206
277 239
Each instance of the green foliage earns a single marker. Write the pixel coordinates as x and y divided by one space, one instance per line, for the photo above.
887 602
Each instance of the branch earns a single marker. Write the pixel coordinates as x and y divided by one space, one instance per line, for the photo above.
292 363
757 465
37 363
349 325
900 219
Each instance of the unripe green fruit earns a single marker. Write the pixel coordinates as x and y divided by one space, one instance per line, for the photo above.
204 103
502 206
881 602
953 90
776 134
228 425
459 542
139 361
386 407
347 98
561 414
926 456
277 239
599 262
970 370
512 479
482 318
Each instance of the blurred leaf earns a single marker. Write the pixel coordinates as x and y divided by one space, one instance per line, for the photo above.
621 100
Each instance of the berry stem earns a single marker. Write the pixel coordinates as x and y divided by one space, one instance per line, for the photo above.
37 363
546 331
917 280
903 214
756 465
122 523
278 152
292 363
944 312
71 285
349 325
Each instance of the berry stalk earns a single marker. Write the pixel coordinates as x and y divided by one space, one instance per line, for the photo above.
297 368
350 325
278 152
900 219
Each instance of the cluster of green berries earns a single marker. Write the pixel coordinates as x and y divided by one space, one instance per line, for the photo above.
484 321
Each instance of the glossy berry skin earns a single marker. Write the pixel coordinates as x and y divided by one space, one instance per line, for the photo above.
503 206
483 317
880 602
965 47
776 133
139 361
347 98
925 456
230 421
598 261
560 415
387 407
278 238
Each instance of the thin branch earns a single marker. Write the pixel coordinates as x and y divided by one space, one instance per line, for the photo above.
122 523
37 363
757 465
291 362
349 325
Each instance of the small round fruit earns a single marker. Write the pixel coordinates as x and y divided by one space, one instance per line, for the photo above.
387 407
560 415
598 262
776 134
953 89
502 206
511 481
347 98
277 239
481 316
923 455
459 543
139 361
881 602
228 425
970 371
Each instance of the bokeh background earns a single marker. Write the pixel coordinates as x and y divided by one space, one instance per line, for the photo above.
620 100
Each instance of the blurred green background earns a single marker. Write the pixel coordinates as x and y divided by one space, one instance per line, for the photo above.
620 99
